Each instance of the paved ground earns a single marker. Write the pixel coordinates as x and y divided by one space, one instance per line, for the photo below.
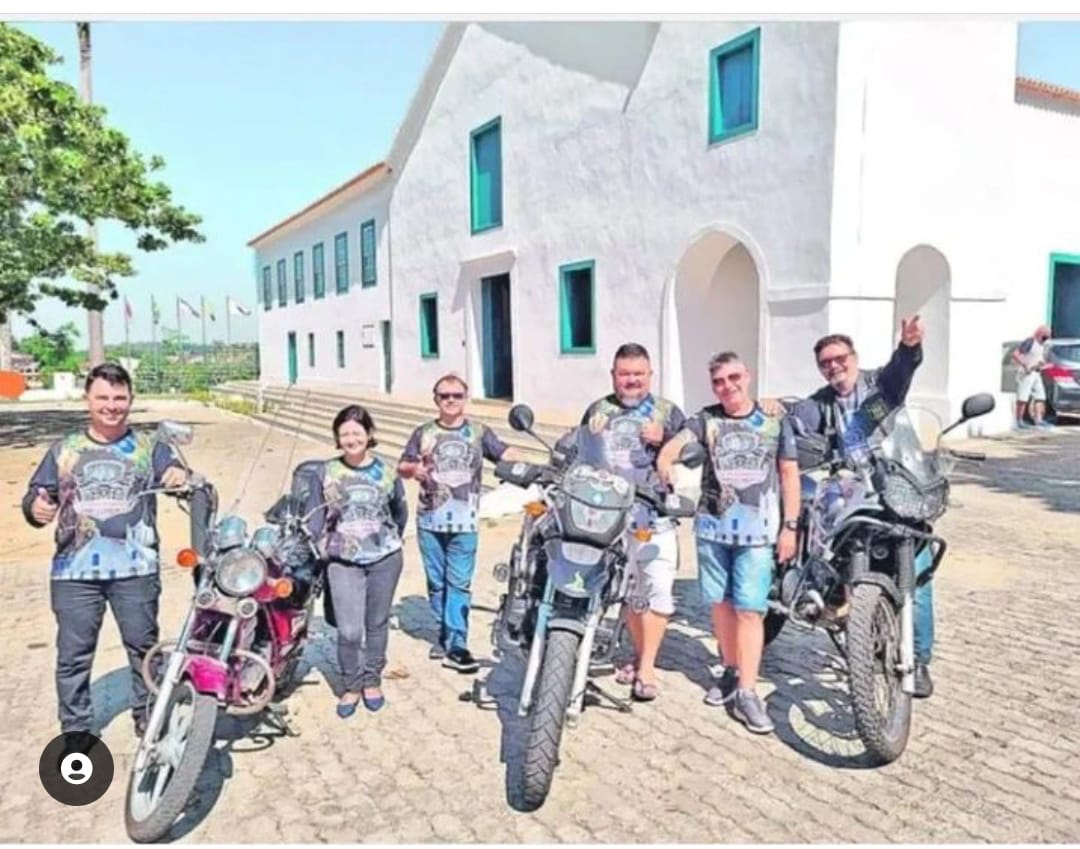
993 755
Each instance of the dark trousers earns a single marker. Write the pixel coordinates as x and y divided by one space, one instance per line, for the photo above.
363 596
79 607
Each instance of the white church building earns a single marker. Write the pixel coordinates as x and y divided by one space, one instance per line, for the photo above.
557 189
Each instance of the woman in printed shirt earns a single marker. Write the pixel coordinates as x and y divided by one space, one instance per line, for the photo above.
365 517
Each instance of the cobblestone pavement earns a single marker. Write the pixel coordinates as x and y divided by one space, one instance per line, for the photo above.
993 756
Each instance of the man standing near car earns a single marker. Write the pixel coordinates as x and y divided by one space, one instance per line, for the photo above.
91 482
1030 357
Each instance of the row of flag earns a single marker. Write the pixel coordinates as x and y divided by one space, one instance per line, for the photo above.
232 307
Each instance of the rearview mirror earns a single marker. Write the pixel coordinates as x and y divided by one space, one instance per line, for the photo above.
977 405
520 417
692 455
174 433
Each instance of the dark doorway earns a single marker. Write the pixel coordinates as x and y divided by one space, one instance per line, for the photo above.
497 348
1065 296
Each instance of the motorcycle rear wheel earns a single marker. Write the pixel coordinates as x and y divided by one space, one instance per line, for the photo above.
882 710
158 793
548 715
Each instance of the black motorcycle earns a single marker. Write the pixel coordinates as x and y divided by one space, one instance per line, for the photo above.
566 583
868 505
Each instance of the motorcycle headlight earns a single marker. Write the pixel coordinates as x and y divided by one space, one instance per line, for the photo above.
593 520
240 572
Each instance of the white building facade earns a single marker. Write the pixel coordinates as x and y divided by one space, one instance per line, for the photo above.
323 282
559 189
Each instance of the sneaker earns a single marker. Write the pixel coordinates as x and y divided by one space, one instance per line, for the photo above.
724 688
462 661
1022 426
750 711
924 684
1043 426
437 652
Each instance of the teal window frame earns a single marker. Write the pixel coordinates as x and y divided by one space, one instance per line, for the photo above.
369 274
341 263
429 337
1056 259
318 271
267 287
298 276
341 349
311 350
478 223
566 345
717 131
282 283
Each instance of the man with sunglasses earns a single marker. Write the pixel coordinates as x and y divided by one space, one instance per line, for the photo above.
829 410
446 457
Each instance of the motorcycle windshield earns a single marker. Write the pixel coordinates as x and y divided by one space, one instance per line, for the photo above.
909 437
592 479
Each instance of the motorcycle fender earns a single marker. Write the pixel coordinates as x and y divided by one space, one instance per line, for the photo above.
563 624
208 676
883 581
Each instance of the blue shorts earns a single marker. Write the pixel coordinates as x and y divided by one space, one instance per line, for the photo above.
737 573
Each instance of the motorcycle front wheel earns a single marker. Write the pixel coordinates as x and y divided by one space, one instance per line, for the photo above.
548 715
158 792
882 709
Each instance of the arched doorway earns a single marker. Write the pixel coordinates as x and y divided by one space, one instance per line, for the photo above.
923 289
713 305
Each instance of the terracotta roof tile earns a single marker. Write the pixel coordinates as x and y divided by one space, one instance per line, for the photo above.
1047 91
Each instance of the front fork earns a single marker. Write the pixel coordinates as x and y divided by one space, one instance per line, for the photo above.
171 677
906 574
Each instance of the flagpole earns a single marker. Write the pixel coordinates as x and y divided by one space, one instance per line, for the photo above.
202 301
127 329
228 322
153 340
179 331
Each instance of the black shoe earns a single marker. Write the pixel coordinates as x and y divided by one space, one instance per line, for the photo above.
924 684
436 652
462 661
140 727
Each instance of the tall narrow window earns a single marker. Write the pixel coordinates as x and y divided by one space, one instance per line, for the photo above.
311 350
341 349
282 284
485 176
318 271
733 86
341 263
298 276
368 273
267 287
429 326
577 308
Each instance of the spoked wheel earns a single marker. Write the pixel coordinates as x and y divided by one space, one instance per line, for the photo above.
882 710
166 768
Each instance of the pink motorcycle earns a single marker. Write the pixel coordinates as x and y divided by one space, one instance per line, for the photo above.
237 652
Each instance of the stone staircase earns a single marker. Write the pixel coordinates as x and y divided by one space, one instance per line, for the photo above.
311 412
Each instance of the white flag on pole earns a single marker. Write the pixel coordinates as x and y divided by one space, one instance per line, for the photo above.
194 312
237 308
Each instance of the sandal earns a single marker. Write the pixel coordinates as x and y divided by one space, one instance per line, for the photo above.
642 692
626 674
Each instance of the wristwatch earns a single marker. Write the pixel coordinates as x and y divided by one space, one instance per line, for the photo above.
791 524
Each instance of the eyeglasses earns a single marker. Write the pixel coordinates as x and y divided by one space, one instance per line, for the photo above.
450 396
839 360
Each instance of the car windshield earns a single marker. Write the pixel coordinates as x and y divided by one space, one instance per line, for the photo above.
1068 352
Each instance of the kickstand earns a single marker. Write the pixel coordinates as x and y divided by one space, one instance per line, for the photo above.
275 717
623 705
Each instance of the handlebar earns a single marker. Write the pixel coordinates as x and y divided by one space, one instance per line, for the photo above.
975 456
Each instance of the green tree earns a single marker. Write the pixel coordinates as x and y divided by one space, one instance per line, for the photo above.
61 170
54 350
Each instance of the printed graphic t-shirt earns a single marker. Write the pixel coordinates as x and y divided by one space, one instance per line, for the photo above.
740 483
366 511
450 496
104 530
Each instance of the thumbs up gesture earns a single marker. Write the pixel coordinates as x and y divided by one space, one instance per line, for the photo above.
911 331
43 509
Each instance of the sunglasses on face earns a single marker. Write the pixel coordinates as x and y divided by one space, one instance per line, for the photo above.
450 396
839 360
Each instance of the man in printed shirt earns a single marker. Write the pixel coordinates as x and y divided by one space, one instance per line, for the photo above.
106 540
446 456
750 482
634 425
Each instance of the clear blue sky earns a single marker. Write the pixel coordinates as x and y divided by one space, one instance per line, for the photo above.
255 120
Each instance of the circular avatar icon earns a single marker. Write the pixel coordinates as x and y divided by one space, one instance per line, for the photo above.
76 768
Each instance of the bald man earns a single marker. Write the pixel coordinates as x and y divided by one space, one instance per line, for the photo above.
1030 357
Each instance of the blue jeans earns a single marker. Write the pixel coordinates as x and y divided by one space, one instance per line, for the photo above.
739 574
924 610
449 562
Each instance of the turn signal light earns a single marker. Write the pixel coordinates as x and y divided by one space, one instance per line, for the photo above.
187 558
642 534
536 508
283 587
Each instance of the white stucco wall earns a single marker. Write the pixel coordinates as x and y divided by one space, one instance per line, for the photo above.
605 156
349 312
923 155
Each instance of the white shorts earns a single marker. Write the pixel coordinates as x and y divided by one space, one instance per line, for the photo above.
652 567
1030 387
